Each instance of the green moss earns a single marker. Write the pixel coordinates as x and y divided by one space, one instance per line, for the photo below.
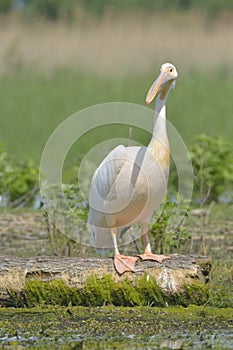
142 327
220 286
54 292
143 291
150 292
96 292
105 291
195 293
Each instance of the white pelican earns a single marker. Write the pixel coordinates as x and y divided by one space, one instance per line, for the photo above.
131 182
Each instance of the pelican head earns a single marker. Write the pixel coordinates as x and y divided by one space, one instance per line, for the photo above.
165 81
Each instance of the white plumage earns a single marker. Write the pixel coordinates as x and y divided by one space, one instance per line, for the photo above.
131 182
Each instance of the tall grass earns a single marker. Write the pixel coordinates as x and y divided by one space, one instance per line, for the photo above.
121 45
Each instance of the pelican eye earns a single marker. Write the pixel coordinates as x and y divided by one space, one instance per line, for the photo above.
171 70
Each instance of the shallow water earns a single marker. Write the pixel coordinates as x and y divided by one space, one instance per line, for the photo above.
221 340
116 328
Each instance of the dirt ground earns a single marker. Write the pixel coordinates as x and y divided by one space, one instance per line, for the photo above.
29 234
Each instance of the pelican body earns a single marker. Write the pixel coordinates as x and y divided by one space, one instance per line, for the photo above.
131 182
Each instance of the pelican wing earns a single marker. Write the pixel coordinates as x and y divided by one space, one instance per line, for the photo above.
102 183
106 174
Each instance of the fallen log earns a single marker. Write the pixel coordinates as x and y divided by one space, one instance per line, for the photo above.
92 281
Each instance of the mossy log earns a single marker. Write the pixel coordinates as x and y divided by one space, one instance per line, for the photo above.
18 275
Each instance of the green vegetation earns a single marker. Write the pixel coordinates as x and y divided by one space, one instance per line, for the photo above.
212 161
165 238
18 181
5 6
42 102
144 292
96 292
104 291
116 328
220 288
51 9
57 9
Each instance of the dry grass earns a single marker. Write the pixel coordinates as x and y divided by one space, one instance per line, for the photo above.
117 45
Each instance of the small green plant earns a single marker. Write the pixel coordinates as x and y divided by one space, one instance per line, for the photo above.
18 182
212 160
167 237
66 215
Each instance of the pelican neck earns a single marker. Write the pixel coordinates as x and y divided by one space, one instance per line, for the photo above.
160 128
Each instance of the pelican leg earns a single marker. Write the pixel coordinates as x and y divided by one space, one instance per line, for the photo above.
122 263
148 255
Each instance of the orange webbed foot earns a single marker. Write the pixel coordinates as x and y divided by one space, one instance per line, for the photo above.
124 263
154 257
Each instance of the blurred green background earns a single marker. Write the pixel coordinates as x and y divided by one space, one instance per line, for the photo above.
57 57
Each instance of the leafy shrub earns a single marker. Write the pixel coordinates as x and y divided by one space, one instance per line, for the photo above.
23 181
18 182
212 160
165 237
